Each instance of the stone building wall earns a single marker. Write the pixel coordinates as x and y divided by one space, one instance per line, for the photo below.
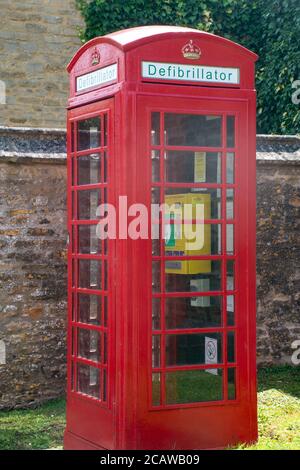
278 248
33 259
37 40
32 266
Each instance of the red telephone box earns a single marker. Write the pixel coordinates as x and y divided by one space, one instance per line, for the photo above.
161 337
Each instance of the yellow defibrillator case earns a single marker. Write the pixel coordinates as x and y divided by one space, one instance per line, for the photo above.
179 234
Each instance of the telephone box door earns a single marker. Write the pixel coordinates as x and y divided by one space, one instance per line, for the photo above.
195 318
91 303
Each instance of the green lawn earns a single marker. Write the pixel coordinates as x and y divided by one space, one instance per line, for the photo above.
38 428
278 409
279 417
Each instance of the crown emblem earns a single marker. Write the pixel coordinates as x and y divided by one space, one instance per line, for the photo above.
95 56
191 50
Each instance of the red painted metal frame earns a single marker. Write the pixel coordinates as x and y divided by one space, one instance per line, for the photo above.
79 403
160 416
130 421
223 329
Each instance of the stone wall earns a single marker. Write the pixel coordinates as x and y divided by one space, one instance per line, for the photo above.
33 259
37 40
278 248
32 265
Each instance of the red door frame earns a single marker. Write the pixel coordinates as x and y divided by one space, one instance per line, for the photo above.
180 425
83 410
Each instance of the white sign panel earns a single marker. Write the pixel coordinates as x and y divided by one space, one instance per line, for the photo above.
211 354
191 73
99 77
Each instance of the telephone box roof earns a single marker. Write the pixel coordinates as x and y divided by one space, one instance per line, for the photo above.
132 38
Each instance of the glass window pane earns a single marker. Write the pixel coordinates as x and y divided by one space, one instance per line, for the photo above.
105 276
230 276
73 306
193 349
155 196
105 130
89 169
214 233
105 167
105 310
155 221
73 205
230 178
155 247
230 346
193 312
104 387
230 239
156 276
72 376
231 379
209 198
193 167
73 164
72 137
194 386
230 310
88 202
89 309
155 128
88 380
88 241
155 314
105 349
73 238
192 240
230 131
88 344
74 272
74 341
88 133
230 204
156 389
155 351
155 165
89 274
194 276
193 130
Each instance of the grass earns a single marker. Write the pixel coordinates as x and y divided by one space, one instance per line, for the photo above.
278 417
37 428
278 409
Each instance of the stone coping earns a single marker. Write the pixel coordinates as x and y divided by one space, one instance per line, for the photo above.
17 157
32 130
278 149
32 144
42 145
